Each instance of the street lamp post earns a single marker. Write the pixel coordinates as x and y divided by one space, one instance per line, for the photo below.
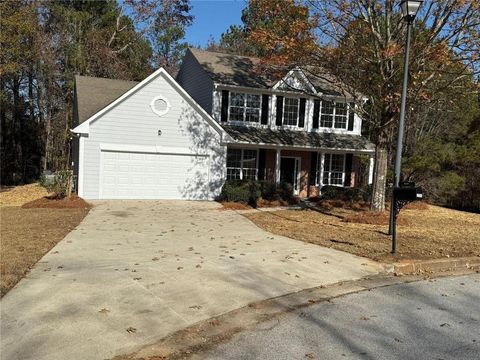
409 11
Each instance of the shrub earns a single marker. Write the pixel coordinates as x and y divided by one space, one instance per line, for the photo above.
60 184
250 191
247 192
351 194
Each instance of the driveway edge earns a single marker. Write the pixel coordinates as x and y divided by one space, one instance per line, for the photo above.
206 334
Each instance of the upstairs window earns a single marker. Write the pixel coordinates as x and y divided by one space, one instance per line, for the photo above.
290 111
326 119
244 107
241 164
340 115
334 115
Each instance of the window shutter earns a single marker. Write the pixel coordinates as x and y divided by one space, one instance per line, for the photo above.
348 170
313 167
351 117
316 113
301 113
224 114
278 122
261 164
265 99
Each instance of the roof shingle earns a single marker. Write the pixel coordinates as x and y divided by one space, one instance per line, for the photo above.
93 94
316 140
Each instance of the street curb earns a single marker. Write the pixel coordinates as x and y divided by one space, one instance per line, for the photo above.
205 334
407 267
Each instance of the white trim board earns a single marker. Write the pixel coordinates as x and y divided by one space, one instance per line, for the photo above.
153 149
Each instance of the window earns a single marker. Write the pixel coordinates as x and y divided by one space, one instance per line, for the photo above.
340 115
244 107
326 119
334 115
290 111
333 169
241 164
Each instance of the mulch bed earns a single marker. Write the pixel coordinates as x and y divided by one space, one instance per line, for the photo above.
50 202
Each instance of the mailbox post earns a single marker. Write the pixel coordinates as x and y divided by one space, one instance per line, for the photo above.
402 195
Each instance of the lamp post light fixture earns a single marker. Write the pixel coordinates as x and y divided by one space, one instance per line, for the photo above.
409 11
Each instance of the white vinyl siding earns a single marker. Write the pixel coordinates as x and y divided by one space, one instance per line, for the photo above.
132 122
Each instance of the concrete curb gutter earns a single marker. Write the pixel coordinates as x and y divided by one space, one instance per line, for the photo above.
206 334
406 267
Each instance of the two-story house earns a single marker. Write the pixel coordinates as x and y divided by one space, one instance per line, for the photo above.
285 125
224 117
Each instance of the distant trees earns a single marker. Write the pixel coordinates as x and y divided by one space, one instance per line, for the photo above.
43 45
164 23
361 43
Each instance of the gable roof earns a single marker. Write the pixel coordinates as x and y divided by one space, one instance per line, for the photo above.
83 127
246 71
230 69
93 94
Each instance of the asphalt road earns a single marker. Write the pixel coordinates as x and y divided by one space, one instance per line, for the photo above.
434 319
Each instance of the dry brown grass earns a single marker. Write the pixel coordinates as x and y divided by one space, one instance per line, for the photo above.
428 234
19 195
28 234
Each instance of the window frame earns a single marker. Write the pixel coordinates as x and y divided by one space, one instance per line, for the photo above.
242 160
244 107
283 111
334 115
322 166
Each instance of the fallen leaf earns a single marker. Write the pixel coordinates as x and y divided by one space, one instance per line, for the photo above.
131 330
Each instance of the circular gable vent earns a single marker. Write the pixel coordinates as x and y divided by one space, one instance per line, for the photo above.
160 105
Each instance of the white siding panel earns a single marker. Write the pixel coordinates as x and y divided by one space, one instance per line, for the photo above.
132 122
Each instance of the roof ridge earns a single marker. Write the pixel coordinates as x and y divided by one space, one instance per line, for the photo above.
104 78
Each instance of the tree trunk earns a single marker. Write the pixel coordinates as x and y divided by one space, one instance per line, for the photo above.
379 180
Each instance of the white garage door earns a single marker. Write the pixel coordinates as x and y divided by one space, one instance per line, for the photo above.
127 175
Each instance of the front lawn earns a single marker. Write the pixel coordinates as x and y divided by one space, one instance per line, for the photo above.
26 234
429 233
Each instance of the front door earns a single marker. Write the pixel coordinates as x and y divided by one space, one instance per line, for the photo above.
289 167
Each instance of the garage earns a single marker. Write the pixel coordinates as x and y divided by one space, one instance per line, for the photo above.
146 140
127 175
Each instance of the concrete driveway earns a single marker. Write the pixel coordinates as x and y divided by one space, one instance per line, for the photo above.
135 271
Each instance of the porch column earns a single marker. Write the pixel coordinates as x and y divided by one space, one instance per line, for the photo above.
277 166
322 168
371 164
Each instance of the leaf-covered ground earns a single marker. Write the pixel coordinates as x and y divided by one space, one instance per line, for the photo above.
427 233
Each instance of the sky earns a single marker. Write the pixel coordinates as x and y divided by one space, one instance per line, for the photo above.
213 17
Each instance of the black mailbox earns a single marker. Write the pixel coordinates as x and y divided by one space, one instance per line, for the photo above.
407 193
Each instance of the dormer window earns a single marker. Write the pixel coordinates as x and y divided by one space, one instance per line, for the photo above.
244 107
